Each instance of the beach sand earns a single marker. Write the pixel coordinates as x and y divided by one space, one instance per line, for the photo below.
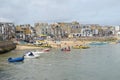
67 43
23 47
54 44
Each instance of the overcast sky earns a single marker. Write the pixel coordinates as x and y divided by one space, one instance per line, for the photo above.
105 12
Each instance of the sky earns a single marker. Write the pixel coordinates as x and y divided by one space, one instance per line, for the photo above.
104 12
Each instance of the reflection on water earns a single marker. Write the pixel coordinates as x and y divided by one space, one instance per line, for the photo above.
16 63
96 63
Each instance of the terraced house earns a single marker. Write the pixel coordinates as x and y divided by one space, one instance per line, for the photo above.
25 32
7 30
73 30
42 29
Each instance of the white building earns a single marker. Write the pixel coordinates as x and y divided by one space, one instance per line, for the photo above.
7 30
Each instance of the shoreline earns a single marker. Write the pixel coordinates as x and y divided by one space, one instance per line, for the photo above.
67 43
25 47
53 44
57 44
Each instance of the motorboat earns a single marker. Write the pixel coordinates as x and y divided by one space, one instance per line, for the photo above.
18 59
31 55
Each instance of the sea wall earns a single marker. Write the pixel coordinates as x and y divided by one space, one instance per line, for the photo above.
6 46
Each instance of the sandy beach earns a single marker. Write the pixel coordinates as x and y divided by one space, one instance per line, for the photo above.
67 43
23 47
53 44
56 44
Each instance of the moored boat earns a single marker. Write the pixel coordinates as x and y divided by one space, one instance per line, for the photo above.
31 55
80 47
66 49
18 59
46 50
98 43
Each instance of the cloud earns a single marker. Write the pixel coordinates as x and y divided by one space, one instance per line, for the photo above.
5 20
86 11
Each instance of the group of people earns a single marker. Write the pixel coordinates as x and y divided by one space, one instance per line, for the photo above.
66 48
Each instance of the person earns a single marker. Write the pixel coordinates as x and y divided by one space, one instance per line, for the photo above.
65 48
68 47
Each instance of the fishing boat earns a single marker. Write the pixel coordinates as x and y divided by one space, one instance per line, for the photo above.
31 55
18 59
66 49
80 47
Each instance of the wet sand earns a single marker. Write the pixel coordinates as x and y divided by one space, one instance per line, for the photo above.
67 43
23 47
53 44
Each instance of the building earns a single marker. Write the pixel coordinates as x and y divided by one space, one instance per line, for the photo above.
25 32
42 29
7 30
117 31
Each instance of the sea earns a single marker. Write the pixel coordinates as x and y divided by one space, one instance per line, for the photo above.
99 62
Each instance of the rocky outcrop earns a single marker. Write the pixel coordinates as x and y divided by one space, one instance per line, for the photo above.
6 46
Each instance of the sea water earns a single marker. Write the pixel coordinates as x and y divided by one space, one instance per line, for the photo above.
95 63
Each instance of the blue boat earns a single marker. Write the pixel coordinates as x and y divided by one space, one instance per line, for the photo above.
18 59
98 43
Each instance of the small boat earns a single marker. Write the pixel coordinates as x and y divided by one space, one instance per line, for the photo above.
40 52
98 43
31 55
46 50
80 47
46 46
18 59
66 49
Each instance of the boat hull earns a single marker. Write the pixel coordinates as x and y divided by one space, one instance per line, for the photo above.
81 47
33 55
65 50
19 59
